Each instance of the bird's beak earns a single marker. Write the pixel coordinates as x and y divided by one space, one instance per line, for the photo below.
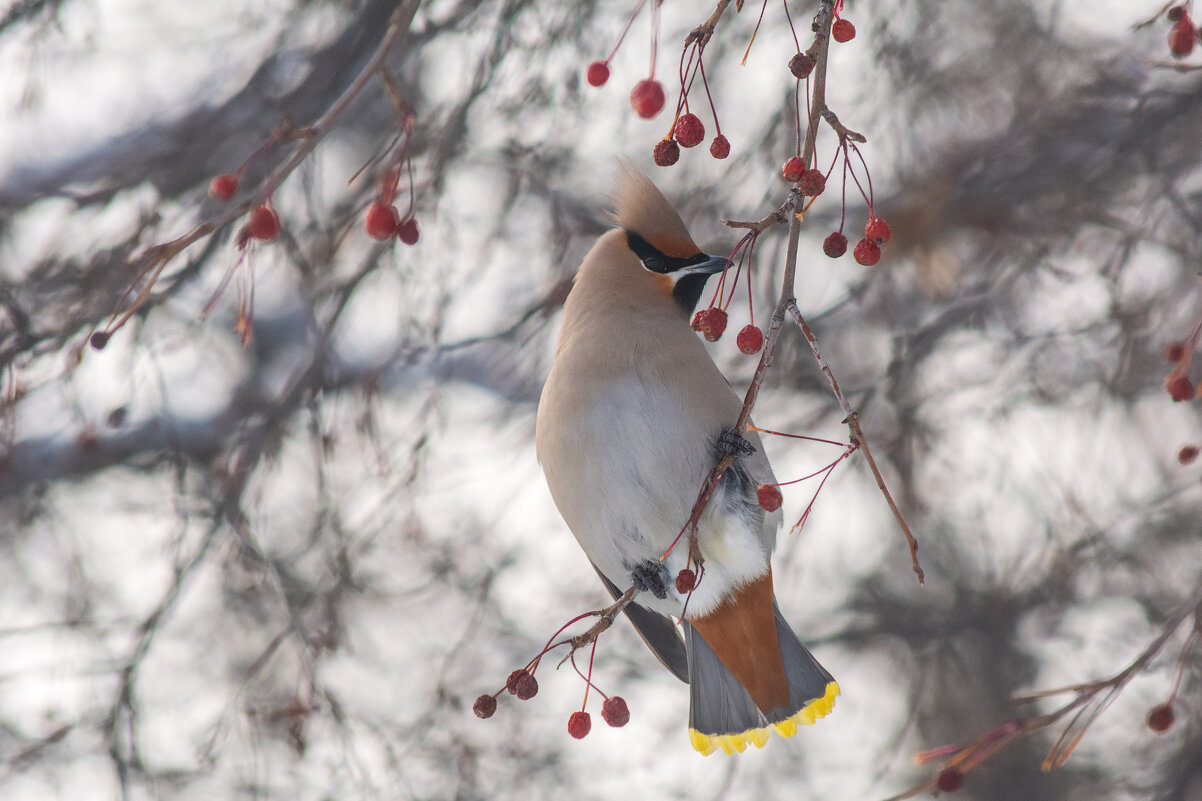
711 265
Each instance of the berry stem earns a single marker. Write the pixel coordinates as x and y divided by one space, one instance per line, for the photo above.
706 85
796 436
625 30
758 22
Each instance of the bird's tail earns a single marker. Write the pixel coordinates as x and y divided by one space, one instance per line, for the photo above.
722 714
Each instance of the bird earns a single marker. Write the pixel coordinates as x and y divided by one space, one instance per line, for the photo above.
633 416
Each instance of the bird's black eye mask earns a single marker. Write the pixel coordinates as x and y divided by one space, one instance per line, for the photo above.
655 260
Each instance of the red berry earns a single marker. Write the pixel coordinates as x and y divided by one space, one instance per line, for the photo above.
597 73
750 339
949 780
835 245
647 98
264 223
407 231
812 183
381 221
867 252
526 687
769 497
877 229
1174 351
1160 719
843 30
720 147
801 65
223 187
1182 37
615 712
710 322
579 725
511 683
1179 387
689 130
485 706
1187 454
686 580
666 153
1175 13
793 169
99 339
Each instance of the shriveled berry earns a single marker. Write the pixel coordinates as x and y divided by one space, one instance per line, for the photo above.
381 221
579 725
689 130
526 687
1180 388
835 245
264 223
647 98
750 339
224 187
597 73
812 183
686 580
801 66
407 231
877 229
1175 13
666 153
485 706
843 30
720 147
1182 37
511 683
769 497
949 780
867 252
1174 351
99 339
710 322
1161 718
1187 454
793 169
615 712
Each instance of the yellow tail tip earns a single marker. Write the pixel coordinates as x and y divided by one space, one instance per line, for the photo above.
707 744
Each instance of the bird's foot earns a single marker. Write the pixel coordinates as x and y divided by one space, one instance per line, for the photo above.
731 443
651 577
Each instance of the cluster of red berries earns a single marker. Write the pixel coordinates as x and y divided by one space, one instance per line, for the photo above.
811 182
614 712
868 250
686 581
263 223
522 685
383 221
711 324
1183 35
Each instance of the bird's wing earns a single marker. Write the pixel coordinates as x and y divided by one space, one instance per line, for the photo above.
658 631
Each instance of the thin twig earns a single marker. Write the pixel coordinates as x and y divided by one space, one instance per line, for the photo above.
702 33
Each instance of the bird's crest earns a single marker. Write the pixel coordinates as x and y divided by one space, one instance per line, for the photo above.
640 207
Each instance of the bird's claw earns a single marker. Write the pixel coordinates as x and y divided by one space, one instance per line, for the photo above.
730 442
651 577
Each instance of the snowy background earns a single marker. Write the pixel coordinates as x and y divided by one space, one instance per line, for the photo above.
286 570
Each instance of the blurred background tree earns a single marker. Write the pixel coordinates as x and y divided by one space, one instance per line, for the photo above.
285 569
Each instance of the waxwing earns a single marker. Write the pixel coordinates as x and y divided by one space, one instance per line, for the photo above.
632 418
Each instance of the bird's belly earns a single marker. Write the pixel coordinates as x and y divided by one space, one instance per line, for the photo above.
626 474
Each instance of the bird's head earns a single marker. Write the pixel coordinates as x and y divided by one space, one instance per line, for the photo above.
657 237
